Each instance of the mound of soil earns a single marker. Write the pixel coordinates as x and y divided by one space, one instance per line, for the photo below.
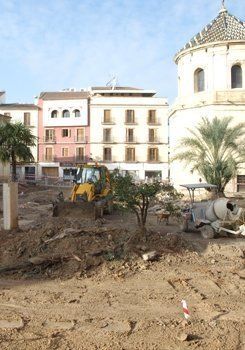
62 247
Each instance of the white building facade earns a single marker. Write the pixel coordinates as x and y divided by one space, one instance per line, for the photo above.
4 168
128 131
28 115
211 83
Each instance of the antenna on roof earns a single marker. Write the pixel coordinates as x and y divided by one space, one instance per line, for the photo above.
113 82
223 8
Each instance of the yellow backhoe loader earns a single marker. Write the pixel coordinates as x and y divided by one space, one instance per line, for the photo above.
91 195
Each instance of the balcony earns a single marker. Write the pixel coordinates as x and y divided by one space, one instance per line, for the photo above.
130 160
49 139
108 122
29 126
155 140
108 140
48 158
130 122
72 160
152 122
79 139
131 139
153 160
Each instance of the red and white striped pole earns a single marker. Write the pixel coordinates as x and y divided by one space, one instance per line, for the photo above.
185 309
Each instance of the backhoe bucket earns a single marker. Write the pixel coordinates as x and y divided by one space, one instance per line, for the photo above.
83 210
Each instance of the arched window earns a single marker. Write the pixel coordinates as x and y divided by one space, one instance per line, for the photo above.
54 114
66 114
76 113
199 80
236 77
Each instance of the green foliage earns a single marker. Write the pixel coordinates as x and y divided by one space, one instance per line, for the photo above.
134 196
170 198
15 142
215 149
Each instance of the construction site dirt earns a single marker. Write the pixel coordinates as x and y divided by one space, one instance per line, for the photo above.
71 283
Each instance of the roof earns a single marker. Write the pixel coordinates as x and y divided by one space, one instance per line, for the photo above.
199 185
121 91
225 27
114 88
7 106
64 95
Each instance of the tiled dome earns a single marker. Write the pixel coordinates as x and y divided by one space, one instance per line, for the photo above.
224 27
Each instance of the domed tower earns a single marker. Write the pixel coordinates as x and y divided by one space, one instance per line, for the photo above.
211 82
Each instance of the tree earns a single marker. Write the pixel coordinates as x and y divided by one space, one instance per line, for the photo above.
134 196
15 142
215 150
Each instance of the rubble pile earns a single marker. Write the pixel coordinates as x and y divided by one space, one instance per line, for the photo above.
62 247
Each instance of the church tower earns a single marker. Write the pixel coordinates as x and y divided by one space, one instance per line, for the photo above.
211 82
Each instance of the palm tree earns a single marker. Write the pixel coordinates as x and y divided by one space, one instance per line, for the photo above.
215 149
15 142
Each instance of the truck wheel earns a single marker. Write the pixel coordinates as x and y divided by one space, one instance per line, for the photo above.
207 232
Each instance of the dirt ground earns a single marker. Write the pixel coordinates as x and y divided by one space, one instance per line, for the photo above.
69 283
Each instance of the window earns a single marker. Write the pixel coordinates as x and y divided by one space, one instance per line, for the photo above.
66 114
130 155
54 114
107 154
107 135
80 154
27 119
240 183
66 133
153 154
199 80
129 116
107 116
152 135
49 135
48 154
236 77
129 135
80 135
65 152
76 113
152 117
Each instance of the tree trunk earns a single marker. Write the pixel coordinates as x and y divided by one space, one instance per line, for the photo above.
14 166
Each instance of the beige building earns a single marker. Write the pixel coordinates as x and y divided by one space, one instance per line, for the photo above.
4 168
28 115
211 82
128 130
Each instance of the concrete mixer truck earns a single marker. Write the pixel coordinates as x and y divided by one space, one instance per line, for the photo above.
212 217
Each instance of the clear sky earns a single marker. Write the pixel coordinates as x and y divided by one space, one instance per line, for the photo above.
54 44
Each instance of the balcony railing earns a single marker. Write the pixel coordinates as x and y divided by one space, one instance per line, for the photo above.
108 140
108 122
153 160
153 122
48 158
130 122
130 160
154 140
130 139
79 139
68 160
49 139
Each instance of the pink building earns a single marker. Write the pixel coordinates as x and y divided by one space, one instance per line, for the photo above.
63 132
